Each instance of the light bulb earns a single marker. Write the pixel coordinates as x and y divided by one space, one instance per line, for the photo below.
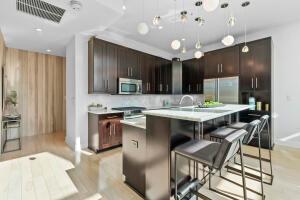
175 44
210 5
245 49
156 20
231 21
198 54
143 28
183 50
124 7
228 40
198 45
160 27
183 16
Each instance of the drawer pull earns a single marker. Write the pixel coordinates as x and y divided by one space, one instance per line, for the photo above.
135 143
254 115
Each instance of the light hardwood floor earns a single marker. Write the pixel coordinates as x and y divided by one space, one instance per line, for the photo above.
88 175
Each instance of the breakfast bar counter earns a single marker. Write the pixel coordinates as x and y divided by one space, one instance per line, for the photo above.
161 127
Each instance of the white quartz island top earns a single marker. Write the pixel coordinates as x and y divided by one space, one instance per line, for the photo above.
193 113
136 122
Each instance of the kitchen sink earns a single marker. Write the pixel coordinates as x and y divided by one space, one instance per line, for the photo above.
196 109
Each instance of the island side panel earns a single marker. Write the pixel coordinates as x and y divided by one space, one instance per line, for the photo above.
158 132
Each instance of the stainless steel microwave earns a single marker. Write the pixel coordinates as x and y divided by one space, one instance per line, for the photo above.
130 86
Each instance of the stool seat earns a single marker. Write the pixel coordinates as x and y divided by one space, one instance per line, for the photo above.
238 125
199 150
222 132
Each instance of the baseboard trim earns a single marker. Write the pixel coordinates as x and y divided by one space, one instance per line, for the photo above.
293 144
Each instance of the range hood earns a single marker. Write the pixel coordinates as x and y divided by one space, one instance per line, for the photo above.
176 76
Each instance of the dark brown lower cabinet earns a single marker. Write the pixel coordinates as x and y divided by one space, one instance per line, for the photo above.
105 131
134 157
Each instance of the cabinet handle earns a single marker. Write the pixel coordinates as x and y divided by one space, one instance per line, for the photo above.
135 143
148 86
160 87
110 130
221 68
114 129
131 71
107 84
254 115
104 84
167 88
189 87
197 87
252 83
218 68
112 117
128 71
256 82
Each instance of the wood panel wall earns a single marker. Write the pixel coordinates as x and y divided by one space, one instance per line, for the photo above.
39 80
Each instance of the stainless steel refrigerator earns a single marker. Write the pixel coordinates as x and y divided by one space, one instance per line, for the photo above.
224 90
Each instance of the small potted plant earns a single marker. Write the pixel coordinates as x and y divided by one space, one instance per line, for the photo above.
11 104
95 107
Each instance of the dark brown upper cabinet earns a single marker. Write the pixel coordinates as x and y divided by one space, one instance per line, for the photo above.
222 63
128 63
102 70
147 65
163 76
192 76
255 66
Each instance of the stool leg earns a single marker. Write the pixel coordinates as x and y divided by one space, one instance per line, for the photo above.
209 178
243 170
260 167
270 143
175 163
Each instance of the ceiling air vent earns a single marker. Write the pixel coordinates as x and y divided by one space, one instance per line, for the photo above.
41 9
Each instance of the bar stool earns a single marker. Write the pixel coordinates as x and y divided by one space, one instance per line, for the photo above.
264 124
212 154
219 134
253 129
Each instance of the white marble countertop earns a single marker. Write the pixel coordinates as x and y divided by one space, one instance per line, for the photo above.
191 113
104 112
139 122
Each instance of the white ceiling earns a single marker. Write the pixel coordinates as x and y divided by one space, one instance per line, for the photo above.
106 15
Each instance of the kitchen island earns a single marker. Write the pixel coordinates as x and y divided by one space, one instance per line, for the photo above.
161 127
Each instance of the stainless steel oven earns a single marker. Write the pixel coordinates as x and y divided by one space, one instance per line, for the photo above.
130 86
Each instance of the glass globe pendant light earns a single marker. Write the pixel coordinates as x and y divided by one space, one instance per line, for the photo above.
142 27
228 40
210 5
175 44
198 54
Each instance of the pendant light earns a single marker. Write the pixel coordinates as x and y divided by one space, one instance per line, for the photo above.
175 43
124 5
228 39
210 5
142 27
198 54
245 48
157 19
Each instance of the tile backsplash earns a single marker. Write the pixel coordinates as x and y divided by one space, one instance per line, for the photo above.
139 100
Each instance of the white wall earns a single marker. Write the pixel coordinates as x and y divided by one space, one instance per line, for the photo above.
285 80
78 98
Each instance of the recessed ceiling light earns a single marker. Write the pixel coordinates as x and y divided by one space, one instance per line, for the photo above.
48 50
39 29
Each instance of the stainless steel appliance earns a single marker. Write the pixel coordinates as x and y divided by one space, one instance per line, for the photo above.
130 86
224 90
131 112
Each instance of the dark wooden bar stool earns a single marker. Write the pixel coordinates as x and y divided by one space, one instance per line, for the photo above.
214 155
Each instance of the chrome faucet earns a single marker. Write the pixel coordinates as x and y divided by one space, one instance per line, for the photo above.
185 96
